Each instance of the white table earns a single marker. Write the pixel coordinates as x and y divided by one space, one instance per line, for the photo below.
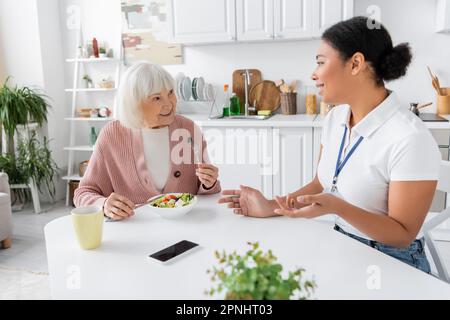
119 269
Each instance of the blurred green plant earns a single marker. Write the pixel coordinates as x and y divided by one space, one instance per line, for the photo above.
35 162
32 162
257 276
19 106
30 159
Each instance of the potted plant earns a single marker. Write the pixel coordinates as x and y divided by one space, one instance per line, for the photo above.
20 106
102 52
35 162
32 160
88 83
257 276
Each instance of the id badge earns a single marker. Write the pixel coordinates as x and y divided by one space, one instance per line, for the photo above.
332 189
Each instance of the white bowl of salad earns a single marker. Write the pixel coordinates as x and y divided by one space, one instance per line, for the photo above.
172 205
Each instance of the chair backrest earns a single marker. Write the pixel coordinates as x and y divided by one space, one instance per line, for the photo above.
444 177
4 184
443 185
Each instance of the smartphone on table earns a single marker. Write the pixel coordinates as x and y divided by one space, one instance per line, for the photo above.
173 252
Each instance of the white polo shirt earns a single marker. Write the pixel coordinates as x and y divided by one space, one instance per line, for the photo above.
396 146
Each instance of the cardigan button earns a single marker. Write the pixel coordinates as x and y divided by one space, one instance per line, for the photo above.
177 174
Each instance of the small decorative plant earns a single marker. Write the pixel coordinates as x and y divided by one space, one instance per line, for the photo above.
102 52
88 83
257 276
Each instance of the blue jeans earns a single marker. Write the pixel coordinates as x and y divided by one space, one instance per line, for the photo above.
414 255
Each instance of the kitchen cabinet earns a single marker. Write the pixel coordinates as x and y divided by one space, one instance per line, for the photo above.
329 12
254 20
216 21
243 156
443 16
295 19
202 21
274 160
292 159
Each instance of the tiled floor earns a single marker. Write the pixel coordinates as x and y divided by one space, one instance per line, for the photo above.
28 248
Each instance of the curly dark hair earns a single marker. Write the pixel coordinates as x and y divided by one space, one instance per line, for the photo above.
367 36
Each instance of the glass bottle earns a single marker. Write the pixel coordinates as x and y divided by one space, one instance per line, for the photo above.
93 136
235 106
95 47
226 103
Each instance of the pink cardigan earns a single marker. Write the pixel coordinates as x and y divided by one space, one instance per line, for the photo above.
118 165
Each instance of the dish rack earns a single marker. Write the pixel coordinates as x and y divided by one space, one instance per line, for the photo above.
196 91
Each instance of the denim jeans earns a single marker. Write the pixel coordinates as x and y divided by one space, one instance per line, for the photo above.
414 255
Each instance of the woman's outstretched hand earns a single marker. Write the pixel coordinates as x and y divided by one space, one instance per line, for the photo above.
313 206
248 202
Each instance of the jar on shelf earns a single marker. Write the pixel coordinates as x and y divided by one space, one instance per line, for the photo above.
311 100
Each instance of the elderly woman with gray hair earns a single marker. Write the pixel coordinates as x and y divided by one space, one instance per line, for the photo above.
149 150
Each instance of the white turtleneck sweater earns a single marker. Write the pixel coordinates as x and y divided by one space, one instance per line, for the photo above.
157 154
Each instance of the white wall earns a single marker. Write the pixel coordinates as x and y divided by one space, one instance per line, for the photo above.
21 49
53 82
31 53
2 62
414 22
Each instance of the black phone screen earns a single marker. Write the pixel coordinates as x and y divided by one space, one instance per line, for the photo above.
173 251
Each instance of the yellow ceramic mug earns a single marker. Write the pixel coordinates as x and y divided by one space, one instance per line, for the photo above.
88 225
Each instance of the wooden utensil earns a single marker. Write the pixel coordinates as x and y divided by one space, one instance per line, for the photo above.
267 94
285 88
425 105
293 86
239 84
279 82
435 82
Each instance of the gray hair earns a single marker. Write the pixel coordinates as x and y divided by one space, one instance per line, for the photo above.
140 81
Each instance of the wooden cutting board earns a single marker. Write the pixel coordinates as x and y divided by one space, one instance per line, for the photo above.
238 84
266 94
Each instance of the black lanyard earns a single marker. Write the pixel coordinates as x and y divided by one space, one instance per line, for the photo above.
340 164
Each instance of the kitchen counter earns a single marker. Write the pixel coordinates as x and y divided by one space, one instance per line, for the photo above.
280 120
428 124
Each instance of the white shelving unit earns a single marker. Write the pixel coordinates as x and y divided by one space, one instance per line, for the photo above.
90 90
72 148
89 119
